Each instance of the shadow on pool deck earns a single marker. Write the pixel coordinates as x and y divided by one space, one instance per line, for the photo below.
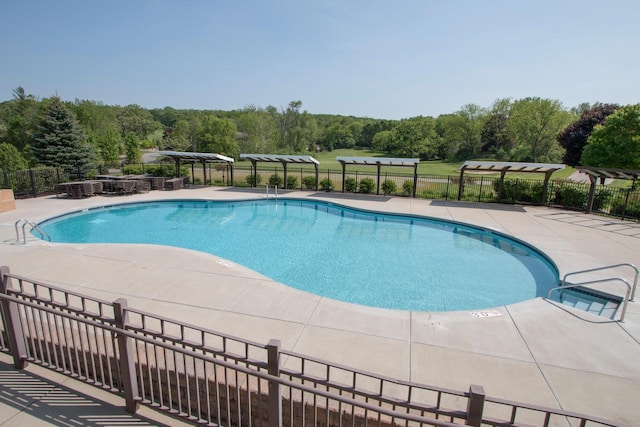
477 205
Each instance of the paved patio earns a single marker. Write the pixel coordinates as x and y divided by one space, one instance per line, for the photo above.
535 351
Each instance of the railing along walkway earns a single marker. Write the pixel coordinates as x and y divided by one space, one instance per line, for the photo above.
216 379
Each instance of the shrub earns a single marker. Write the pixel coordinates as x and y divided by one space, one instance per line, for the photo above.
407 187
250 179
389 187
350 185
367 185
326 184
168 170
601 198
292 182
309 182
632 210
275 180
571 197
518 190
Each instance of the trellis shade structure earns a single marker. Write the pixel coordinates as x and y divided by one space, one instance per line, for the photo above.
379 162
284 160
596 173
503 167
203 158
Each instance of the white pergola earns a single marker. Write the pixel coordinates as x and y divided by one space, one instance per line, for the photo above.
203 158
284 160
596 173
379 162
503 167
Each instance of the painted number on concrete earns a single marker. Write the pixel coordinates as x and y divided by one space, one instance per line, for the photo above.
487 313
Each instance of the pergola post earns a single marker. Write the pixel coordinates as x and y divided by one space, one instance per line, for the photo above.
344 168
545 187
460 183
204 172
415 180
316 168
592 192
284 167
254 172
503 172
378 186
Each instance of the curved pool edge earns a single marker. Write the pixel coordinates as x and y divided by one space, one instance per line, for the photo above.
488 230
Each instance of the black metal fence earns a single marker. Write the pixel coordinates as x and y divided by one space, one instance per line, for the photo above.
611 201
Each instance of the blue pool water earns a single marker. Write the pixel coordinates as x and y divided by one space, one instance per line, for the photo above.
369 258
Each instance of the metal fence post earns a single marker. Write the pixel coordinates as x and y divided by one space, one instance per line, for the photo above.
11 317
275 394
475 405
34 192
125 361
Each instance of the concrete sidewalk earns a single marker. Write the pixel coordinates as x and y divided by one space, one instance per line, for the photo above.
533 351
40 397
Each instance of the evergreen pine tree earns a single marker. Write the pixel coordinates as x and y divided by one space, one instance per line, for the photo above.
60 141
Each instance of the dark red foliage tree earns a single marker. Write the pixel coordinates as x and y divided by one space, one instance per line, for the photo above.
574 137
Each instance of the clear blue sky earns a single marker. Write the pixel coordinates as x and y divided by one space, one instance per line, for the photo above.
380 59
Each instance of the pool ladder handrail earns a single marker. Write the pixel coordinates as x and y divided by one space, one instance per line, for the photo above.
33 225
631 289
608 267
625 300
275 191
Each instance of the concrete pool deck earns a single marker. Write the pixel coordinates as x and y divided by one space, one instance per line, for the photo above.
534 351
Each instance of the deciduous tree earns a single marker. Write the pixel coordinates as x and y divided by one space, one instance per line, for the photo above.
22 120
534 124
217 136
134 118
414 137
495 137
463 131
574 137
258 130
11 159
616 142
132 148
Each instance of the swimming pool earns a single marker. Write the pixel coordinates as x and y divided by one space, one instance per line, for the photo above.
362 257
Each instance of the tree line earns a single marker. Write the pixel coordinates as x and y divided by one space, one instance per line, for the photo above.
85 133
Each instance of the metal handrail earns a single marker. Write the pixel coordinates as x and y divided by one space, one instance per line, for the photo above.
624 264
327 394
33 225
591 282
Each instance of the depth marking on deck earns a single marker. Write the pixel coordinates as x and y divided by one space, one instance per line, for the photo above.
486 313
224 263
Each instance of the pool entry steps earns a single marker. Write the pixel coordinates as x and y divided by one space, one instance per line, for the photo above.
598 303
584 295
